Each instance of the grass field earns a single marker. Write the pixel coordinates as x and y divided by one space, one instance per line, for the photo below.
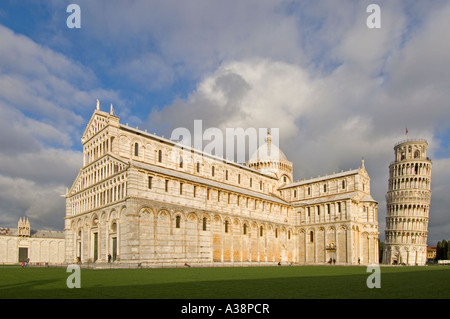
294 282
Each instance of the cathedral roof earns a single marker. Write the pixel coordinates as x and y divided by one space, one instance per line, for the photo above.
208 155
360 170
332 198
325 199
323 178
205 181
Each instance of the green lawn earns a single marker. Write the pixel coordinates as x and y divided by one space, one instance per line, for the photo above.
298 282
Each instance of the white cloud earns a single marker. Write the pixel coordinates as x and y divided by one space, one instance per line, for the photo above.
43 98
252 93
46 84
439 223
190 38
329 121
42 203
337 90
148 72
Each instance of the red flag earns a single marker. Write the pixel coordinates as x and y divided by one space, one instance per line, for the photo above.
406 131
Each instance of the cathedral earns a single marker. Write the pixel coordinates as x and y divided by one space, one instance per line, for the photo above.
134 202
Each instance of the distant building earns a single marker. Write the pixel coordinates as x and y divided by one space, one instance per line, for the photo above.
431 252
23 244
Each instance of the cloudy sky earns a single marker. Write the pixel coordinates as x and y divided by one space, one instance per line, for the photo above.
337 90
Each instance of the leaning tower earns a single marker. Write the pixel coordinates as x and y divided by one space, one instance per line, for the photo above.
408 204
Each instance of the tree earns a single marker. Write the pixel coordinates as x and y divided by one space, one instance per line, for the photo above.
445 250
380 251
442 250
438 251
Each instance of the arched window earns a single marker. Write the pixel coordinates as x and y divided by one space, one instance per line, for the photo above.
261 231
276 232
417 154
111 144
181 161
245 229
212 170
343 184
177 221
325 188
136 149
226 226
204 223
159 156
311 236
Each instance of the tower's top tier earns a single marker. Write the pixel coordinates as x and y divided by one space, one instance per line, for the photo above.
411 149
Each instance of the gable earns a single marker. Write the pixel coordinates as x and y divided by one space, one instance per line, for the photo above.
85 177
98 122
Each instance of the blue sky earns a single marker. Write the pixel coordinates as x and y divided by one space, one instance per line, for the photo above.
338 91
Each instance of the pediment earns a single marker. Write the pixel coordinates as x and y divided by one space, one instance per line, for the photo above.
118 166
99 121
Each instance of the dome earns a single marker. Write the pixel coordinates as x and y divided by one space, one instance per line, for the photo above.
269 159
268 152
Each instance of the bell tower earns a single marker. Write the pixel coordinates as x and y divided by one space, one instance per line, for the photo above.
408 204
23 227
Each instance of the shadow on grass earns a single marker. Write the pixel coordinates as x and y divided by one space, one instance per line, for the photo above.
148 284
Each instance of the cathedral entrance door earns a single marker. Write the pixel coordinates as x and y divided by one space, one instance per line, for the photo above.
114 248
283 254
331 255
23 254
95 246
331 251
